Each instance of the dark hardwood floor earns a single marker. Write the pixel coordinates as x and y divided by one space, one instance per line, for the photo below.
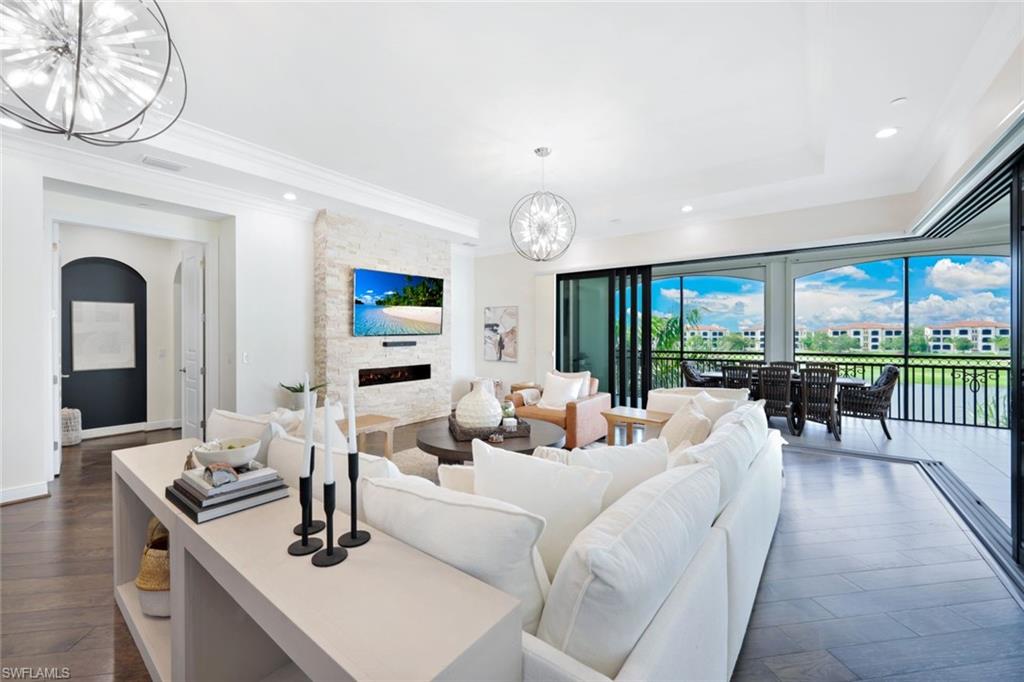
869 577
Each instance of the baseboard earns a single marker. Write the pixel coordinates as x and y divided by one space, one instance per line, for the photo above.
120 429
23 493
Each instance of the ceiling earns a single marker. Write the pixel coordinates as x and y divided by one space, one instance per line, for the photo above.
735 109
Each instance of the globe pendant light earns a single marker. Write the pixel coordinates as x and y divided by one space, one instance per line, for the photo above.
542 224
105 72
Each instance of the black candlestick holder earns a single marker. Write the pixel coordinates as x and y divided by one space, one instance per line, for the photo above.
309 524
306 545
330 555
355 537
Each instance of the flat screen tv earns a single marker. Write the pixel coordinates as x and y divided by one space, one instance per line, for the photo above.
392 304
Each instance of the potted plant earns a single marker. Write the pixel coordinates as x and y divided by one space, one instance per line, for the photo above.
297 390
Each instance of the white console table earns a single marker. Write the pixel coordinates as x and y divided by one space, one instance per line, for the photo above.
243 609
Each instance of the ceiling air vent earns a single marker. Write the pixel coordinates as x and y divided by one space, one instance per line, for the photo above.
163 164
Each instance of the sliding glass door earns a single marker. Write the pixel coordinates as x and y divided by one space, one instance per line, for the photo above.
604 327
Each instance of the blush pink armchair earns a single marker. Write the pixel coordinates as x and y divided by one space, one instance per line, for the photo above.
581 418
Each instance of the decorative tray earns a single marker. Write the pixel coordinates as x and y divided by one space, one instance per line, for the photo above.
462 433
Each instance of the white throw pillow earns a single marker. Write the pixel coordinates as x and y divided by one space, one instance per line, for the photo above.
224 424
566 497
688 423
730 451
664 401
584 384
286 455
715 408
489 539
629 465
456 477
558 391
621 568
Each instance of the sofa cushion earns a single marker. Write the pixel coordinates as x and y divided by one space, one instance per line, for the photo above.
491 540
729 450
558 391
730 393
715 408
751 417
663 401
621 568
585 387
224 424
538 412
566 497
285 454
456 477
687 423
629 465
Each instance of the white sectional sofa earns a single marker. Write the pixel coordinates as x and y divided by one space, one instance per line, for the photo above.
699 628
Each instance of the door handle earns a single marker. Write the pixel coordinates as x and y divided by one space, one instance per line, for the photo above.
65 376
182 370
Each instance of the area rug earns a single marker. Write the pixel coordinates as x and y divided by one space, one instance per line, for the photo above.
415 462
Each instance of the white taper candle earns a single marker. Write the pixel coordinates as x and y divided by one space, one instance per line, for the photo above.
307 451
352 445
328 457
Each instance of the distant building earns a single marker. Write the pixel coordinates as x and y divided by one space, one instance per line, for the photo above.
869 334
755 335
799 334
711 333
981 333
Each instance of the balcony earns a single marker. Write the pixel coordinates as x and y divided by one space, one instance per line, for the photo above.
948 408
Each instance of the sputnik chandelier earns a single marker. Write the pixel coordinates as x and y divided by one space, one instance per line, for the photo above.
542 224
105 72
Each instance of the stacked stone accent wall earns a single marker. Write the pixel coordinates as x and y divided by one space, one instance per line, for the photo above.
341 244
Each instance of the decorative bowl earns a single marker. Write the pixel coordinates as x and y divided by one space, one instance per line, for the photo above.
234 452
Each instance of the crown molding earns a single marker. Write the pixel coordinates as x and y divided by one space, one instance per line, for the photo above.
199 142
82 167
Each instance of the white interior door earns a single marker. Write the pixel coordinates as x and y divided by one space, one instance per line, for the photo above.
193 362
55 335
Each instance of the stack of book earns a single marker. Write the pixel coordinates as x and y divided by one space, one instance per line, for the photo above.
202 501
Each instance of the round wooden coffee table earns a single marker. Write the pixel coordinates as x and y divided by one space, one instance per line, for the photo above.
438 441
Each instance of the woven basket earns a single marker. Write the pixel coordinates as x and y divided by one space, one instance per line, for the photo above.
155 565
70 426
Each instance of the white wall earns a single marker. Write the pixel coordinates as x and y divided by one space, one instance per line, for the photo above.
273 301
463 321
156 260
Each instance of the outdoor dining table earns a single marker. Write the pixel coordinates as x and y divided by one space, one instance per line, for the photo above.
840 381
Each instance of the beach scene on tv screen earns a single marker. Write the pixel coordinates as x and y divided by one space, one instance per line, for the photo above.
392 304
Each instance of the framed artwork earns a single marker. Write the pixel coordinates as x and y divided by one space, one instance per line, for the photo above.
102 335
501 333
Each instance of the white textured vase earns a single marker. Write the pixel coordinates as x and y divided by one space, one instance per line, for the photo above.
479 409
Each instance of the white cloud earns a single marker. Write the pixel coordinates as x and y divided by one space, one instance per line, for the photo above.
974 275
851 271
983 305
675 294
893 280
819 305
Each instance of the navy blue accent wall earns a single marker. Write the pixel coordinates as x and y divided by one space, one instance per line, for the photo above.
106 397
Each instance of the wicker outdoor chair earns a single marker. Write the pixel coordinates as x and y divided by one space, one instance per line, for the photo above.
775 388
826 365
695 378
785 363
737 376
818 399
871 402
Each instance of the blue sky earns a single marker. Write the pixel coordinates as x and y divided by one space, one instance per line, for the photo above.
942 289
372 284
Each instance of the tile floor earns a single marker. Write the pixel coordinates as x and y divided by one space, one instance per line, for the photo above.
979 456
871 577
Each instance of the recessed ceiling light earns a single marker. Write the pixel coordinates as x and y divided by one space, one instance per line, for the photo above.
899 101
10 123
289 196
687 208
886 132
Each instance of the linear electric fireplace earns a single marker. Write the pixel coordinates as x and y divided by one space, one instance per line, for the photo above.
393 375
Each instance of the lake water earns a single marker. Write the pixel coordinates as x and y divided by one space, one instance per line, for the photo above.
371 320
